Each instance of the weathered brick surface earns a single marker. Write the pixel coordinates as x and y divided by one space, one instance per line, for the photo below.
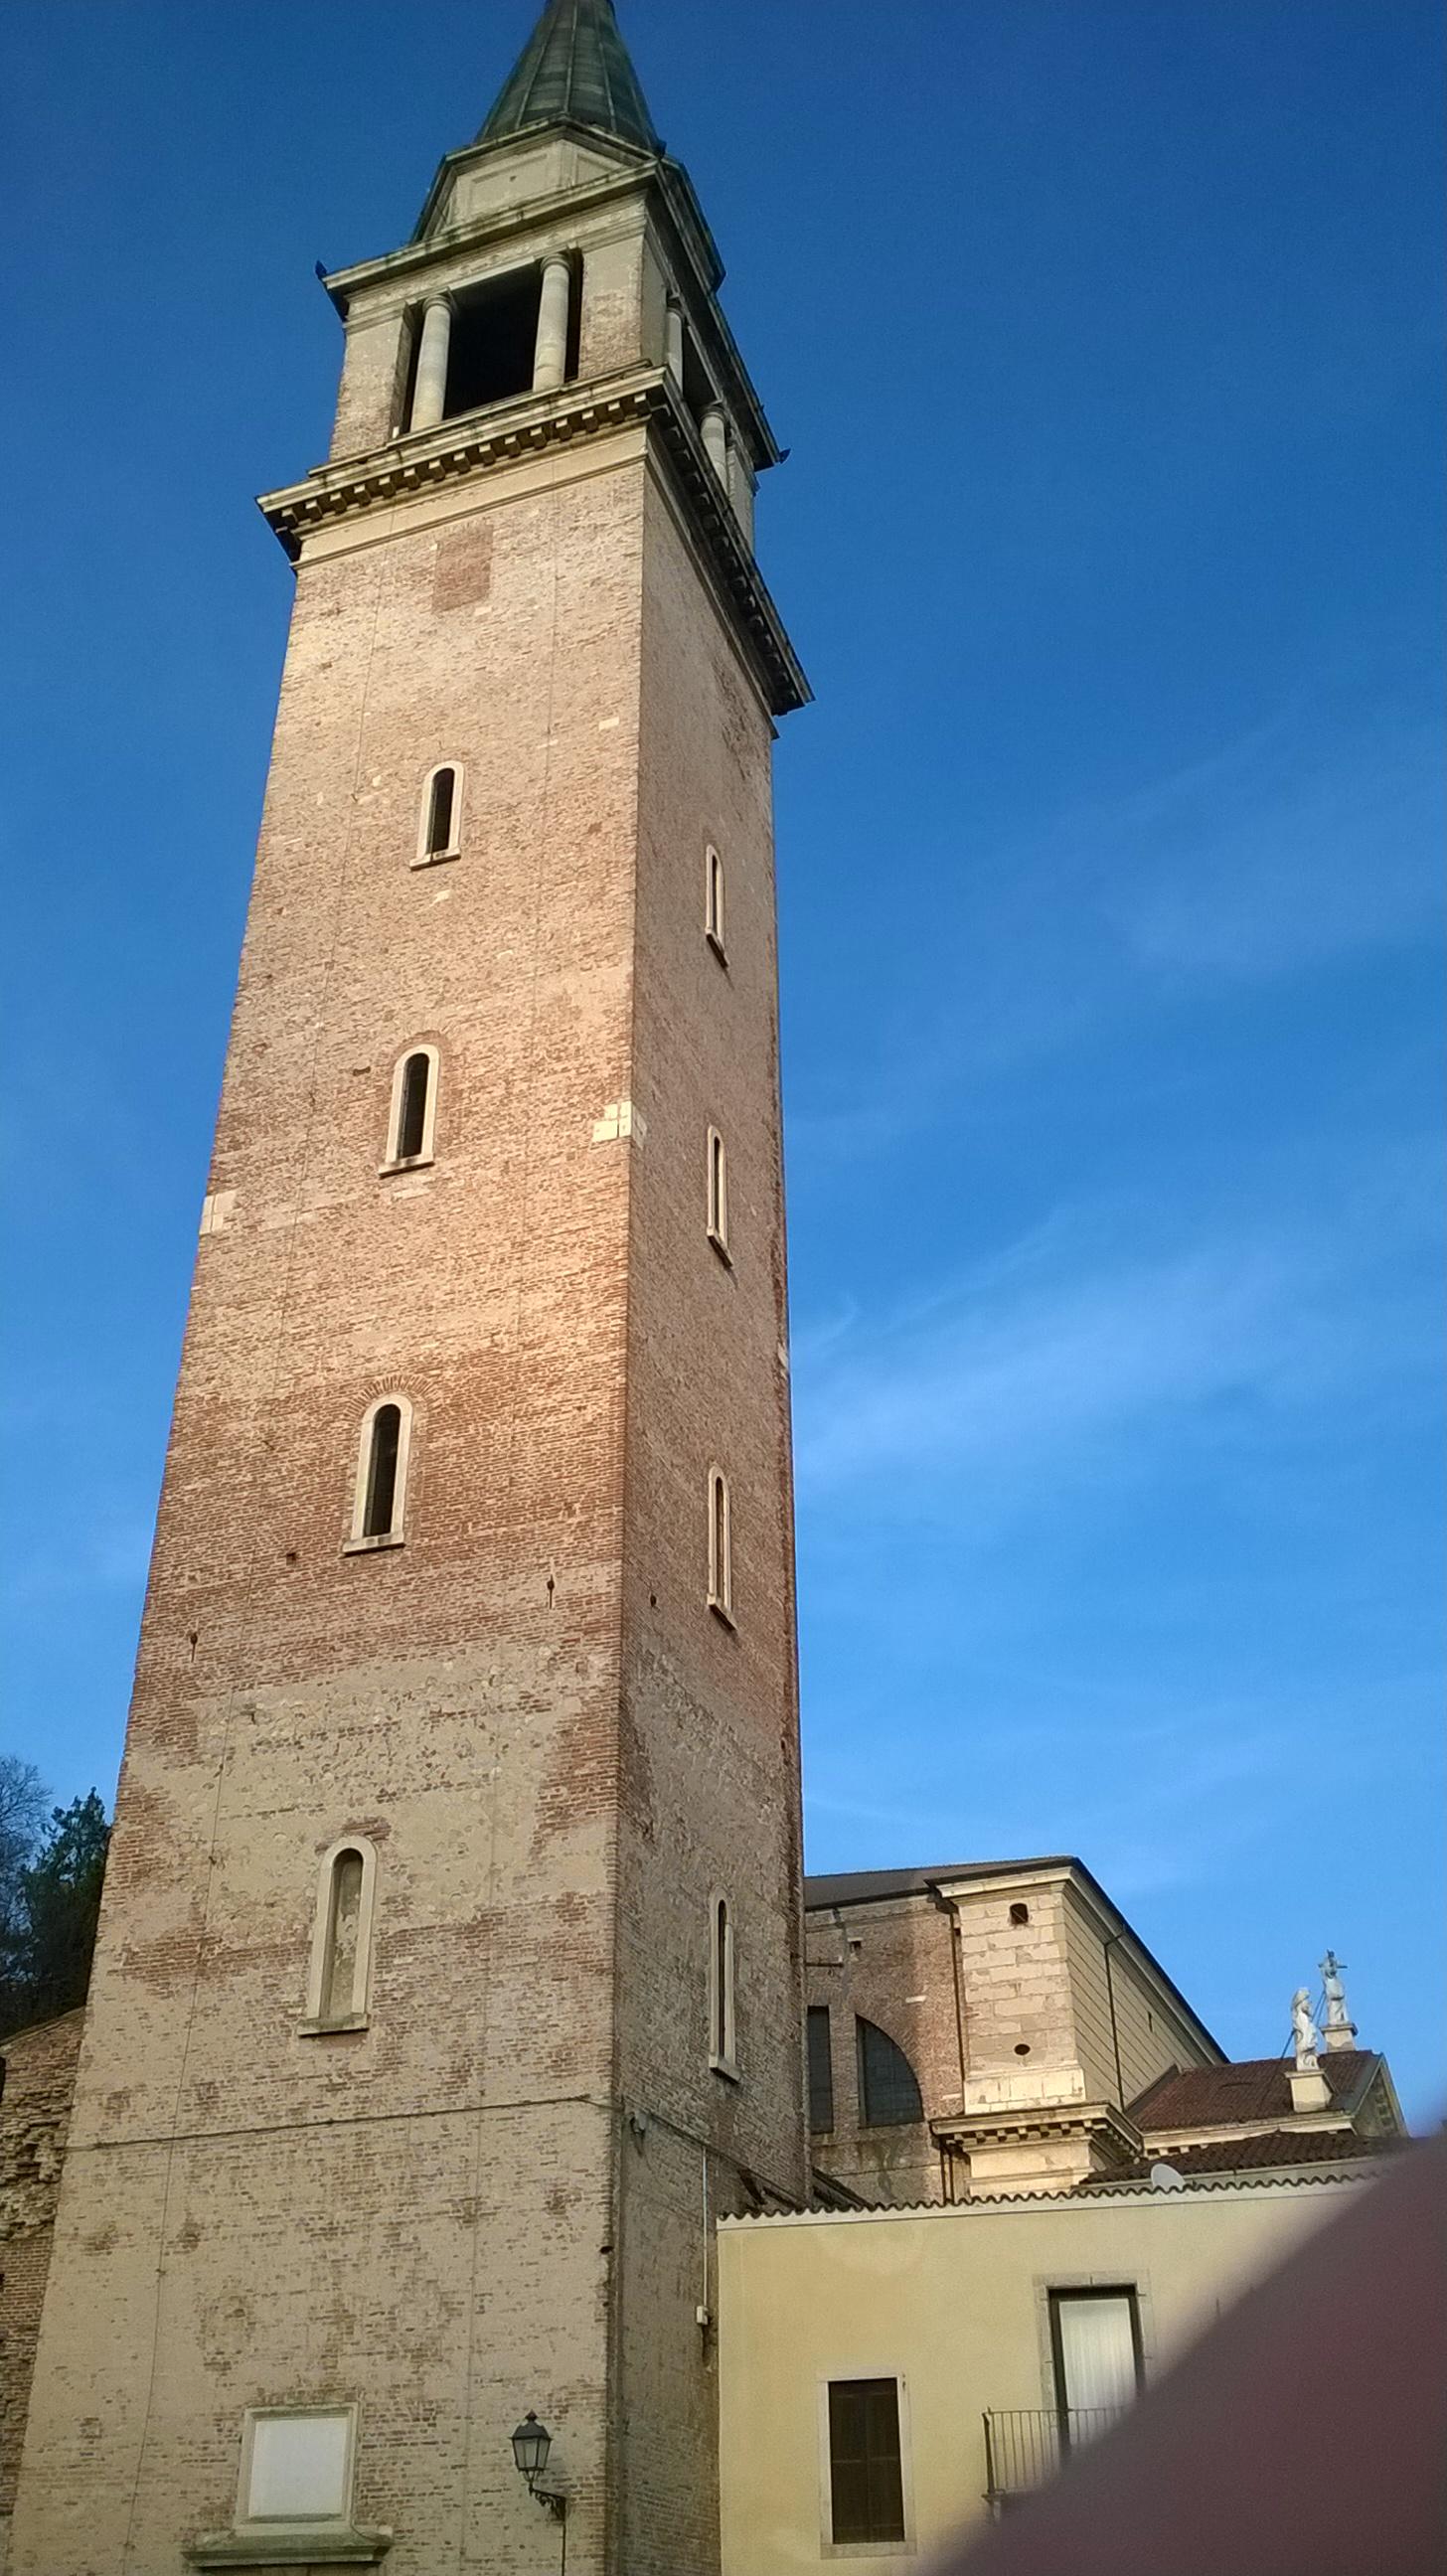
495 2195
39 2083
891 1964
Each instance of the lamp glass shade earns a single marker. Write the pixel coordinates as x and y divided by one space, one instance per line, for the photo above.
531 2444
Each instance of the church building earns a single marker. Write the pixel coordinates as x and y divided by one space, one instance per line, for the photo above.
448 2017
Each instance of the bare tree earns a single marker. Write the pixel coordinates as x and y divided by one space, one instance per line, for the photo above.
23 1807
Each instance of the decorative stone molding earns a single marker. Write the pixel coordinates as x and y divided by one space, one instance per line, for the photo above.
289 2545
504 432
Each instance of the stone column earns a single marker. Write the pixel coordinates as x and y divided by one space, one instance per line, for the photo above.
741 489
673 339
716 439
429 393
550 358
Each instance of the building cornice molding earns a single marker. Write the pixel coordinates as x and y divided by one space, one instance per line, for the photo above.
351 487
1028 2123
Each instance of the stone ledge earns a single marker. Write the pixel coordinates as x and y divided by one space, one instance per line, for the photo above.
501 433
293 2544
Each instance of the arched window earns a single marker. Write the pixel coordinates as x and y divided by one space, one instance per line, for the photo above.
718 1193
341 1960
722 2037
888 2092
713 903
440 833
381 1487
720 1547
414 1109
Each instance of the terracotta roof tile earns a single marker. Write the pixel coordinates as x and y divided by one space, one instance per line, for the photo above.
1255 2088
1270 2147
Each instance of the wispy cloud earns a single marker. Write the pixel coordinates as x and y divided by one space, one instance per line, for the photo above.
1276 854
1290 847
1066 1347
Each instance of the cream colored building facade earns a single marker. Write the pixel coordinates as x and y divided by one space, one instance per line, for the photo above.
954 2319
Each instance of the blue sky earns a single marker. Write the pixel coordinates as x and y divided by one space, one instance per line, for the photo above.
1103 337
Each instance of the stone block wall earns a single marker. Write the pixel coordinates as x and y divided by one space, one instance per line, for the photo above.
38 2067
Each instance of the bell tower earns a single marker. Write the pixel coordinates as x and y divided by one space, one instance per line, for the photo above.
449 1975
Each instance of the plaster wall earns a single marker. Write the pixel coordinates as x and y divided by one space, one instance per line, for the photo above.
953 2303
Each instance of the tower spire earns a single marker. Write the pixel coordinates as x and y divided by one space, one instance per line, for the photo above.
574 69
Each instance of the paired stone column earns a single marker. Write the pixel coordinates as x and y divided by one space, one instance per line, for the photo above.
429 393
741 489
715 431
550 358
673 339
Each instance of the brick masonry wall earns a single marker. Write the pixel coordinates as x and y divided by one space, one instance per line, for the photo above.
712 1799
448 2214
890 1962
35 2106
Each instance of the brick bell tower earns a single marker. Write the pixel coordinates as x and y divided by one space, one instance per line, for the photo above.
449 1976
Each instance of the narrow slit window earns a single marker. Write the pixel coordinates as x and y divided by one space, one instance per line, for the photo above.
718 1193
344 1920
821 2070
381 1489
720 1546
414 1102
889 2095
379 1511
714 920
441 813
342 1938
722 2050
866 2481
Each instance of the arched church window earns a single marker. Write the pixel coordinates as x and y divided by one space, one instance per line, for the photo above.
414 1106
720 1546
342 1936
722 2038
439 836
381 1486
889 2094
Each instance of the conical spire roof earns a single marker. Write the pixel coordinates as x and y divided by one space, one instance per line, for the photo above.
574 67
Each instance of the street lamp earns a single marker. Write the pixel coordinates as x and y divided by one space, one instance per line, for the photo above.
531 2443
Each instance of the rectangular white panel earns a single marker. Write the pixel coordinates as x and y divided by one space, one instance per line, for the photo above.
300 2467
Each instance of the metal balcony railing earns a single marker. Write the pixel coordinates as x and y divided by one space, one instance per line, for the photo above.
1025 2445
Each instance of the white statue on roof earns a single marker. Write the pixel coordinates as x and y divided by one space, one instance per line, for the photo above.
1340 2029
1305 2033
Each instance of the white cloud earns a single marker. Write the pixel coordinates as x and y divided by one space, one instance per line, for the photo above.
1073 1350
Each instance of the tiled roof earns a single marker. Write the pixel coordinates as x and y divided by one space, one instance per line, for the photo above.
1269 2147
574 69
1255 2088
864 1886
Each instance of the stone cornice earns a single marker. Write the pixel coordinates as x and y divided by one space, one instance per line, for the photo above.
353 486
1028 2122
